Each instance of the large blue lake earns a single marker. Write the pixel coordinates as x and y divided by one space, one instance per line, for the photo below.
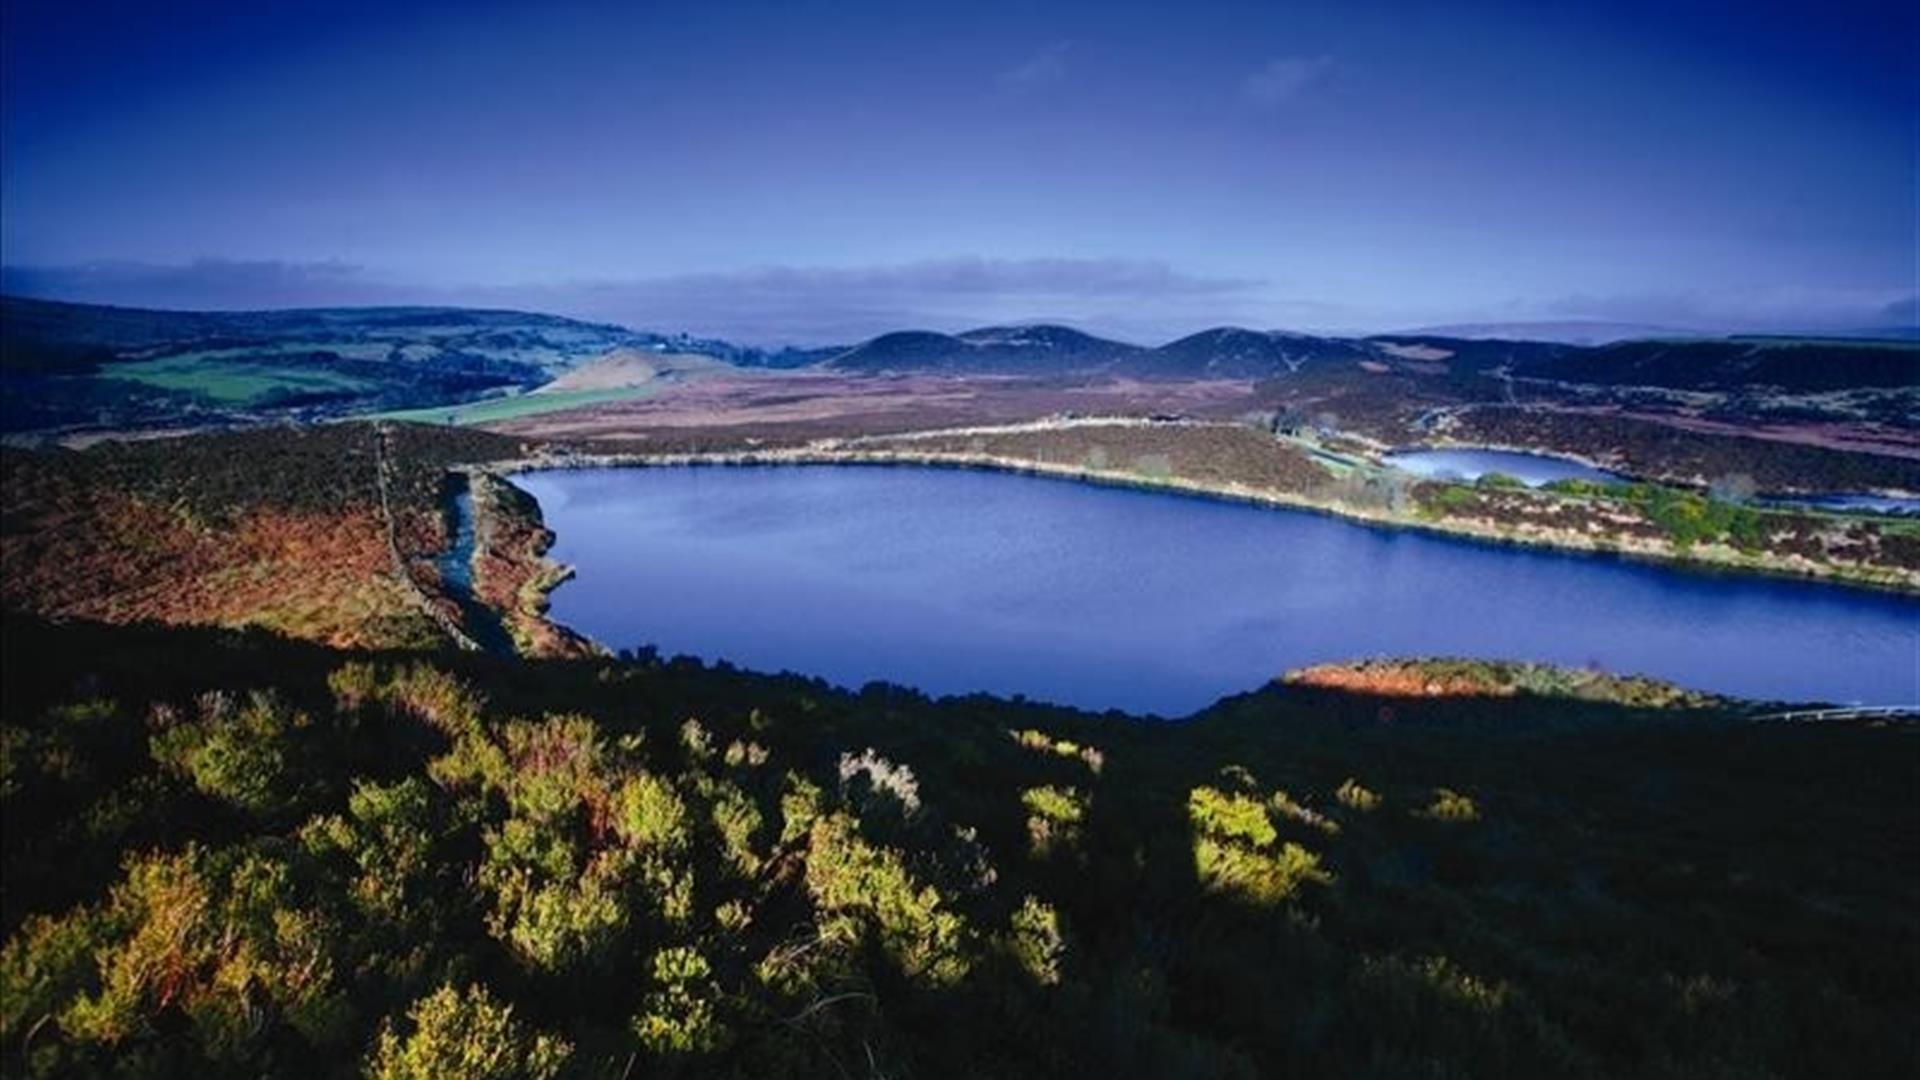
955 581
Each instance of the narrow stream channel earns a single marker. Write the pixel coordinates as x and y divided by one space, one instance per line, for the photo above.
481 622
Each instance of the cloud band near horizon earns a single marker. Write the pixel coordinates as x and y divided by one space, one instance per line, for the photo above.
1141 300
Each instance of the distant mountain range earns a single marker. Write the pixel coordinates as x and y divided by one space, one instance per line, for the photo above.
1228 352
80 366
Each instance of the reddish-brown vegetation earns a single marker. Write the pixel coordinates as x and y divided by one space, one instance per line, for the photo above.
1661 450
784 410
511 574
280 528
1213 455
1443 678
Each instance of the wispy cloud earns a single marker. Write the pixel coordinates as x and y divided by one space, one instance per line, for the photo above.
202 283
762 305
1787 307
1902 312
785 303
1282 79
1042 69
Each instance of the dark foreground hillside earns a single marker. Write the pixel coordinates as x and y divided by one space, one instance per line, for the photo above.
228 854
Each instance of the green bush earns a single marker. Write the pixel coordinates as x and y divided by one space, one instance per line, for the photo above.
864 888
464 1033
1352 794
679 1015
1450 805
241 753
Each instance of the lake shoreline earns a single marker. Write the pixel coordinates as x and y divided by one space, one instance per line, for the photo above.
1719 560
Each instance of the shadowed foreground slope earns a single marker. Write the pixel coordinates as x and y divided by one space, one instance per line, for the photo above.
232 854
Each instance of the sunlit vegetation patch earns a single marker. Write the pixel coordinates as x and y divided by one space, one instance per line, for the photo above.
466 1033
1041 742
241 383
240 752
1355 796
1055 818
516 406
1450 805
1719 524
231 854
1497 678
68 367
1235 849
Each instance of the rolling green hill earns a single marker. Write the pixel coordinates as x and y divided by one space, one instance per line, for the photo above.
74 366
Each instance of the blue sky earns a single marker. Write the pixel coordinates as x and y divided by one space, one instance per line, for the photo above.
800 171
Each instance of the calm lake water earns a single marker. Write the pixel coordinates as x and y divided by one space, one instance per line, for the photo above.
1471 464
957 581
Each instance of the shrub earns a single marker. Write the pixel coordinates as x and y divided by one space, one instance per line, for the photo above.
1259 876
869 887
738 820
238 754
1450 805
468 1034
882 777
390 837
556 906
1236 817
649 813
1352 794
422 691
1041 742
1036 941
46 963
1055 816
678 1016
220 936
801 804
1232 835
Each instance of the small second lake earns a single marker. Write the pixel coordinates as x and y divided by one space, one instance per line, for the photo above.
955 581
1468 464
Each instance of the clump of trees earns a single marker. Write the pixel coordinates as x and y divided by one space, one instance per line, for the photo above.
1688 519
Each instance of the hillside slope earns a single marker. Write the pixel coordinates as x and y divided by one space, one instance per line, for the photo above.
235 855
80 367
1795 364
332 533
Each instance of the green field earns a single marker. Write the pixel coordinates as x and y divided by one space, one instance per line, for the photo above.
232 382
494 410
